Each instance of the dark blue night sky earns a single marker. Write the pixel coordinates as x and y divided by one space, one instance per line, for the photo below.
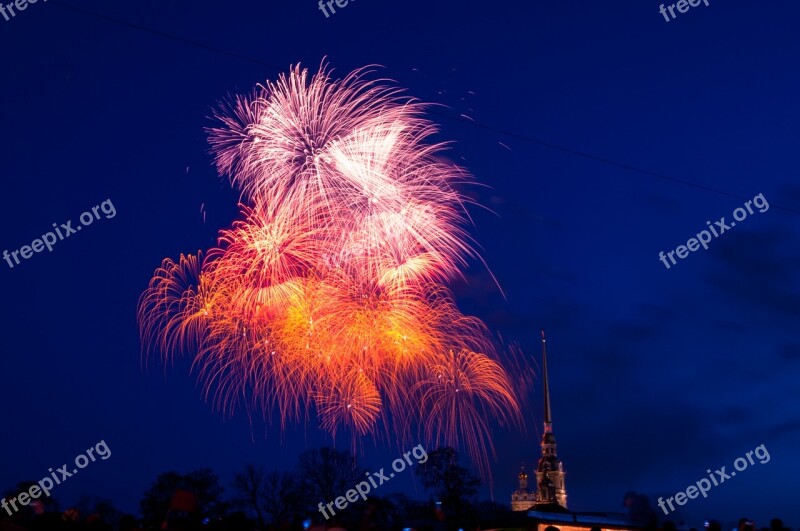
656 374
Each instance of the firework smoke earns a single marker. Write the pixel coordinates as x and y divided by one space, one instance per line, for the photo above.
329 298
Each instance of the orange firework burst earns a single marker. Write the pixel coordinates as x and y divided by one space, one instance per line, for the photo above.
329 297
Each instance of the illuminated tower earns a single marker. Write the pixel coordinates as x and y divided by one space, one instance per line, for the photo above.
550 473
522 499
550 488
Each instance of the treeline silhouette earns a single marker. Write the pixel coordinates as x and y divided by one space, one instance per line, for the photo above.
274 500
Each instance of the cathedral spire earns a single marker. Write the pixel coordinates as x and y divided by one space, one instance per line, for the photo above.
548 421
550 488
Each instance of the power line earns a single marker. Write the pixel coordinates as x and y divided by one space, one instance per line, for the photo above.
459 119
589 156
165 35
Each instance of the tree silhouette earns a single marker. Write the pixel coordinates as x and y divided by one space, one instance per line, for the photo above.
451 483
327 473
99 507
248 491
283 497
156 499
27 512
202 483
275 497
205 485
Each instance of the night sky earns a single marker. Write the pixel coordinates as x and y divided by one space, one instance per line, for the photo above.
600 135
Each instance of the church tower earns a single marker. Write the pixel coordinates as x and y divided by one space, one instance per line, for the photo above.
550 487
522 499
550 473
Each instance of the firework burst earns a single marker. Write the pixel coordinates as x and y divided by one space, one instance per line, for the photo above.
329 298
